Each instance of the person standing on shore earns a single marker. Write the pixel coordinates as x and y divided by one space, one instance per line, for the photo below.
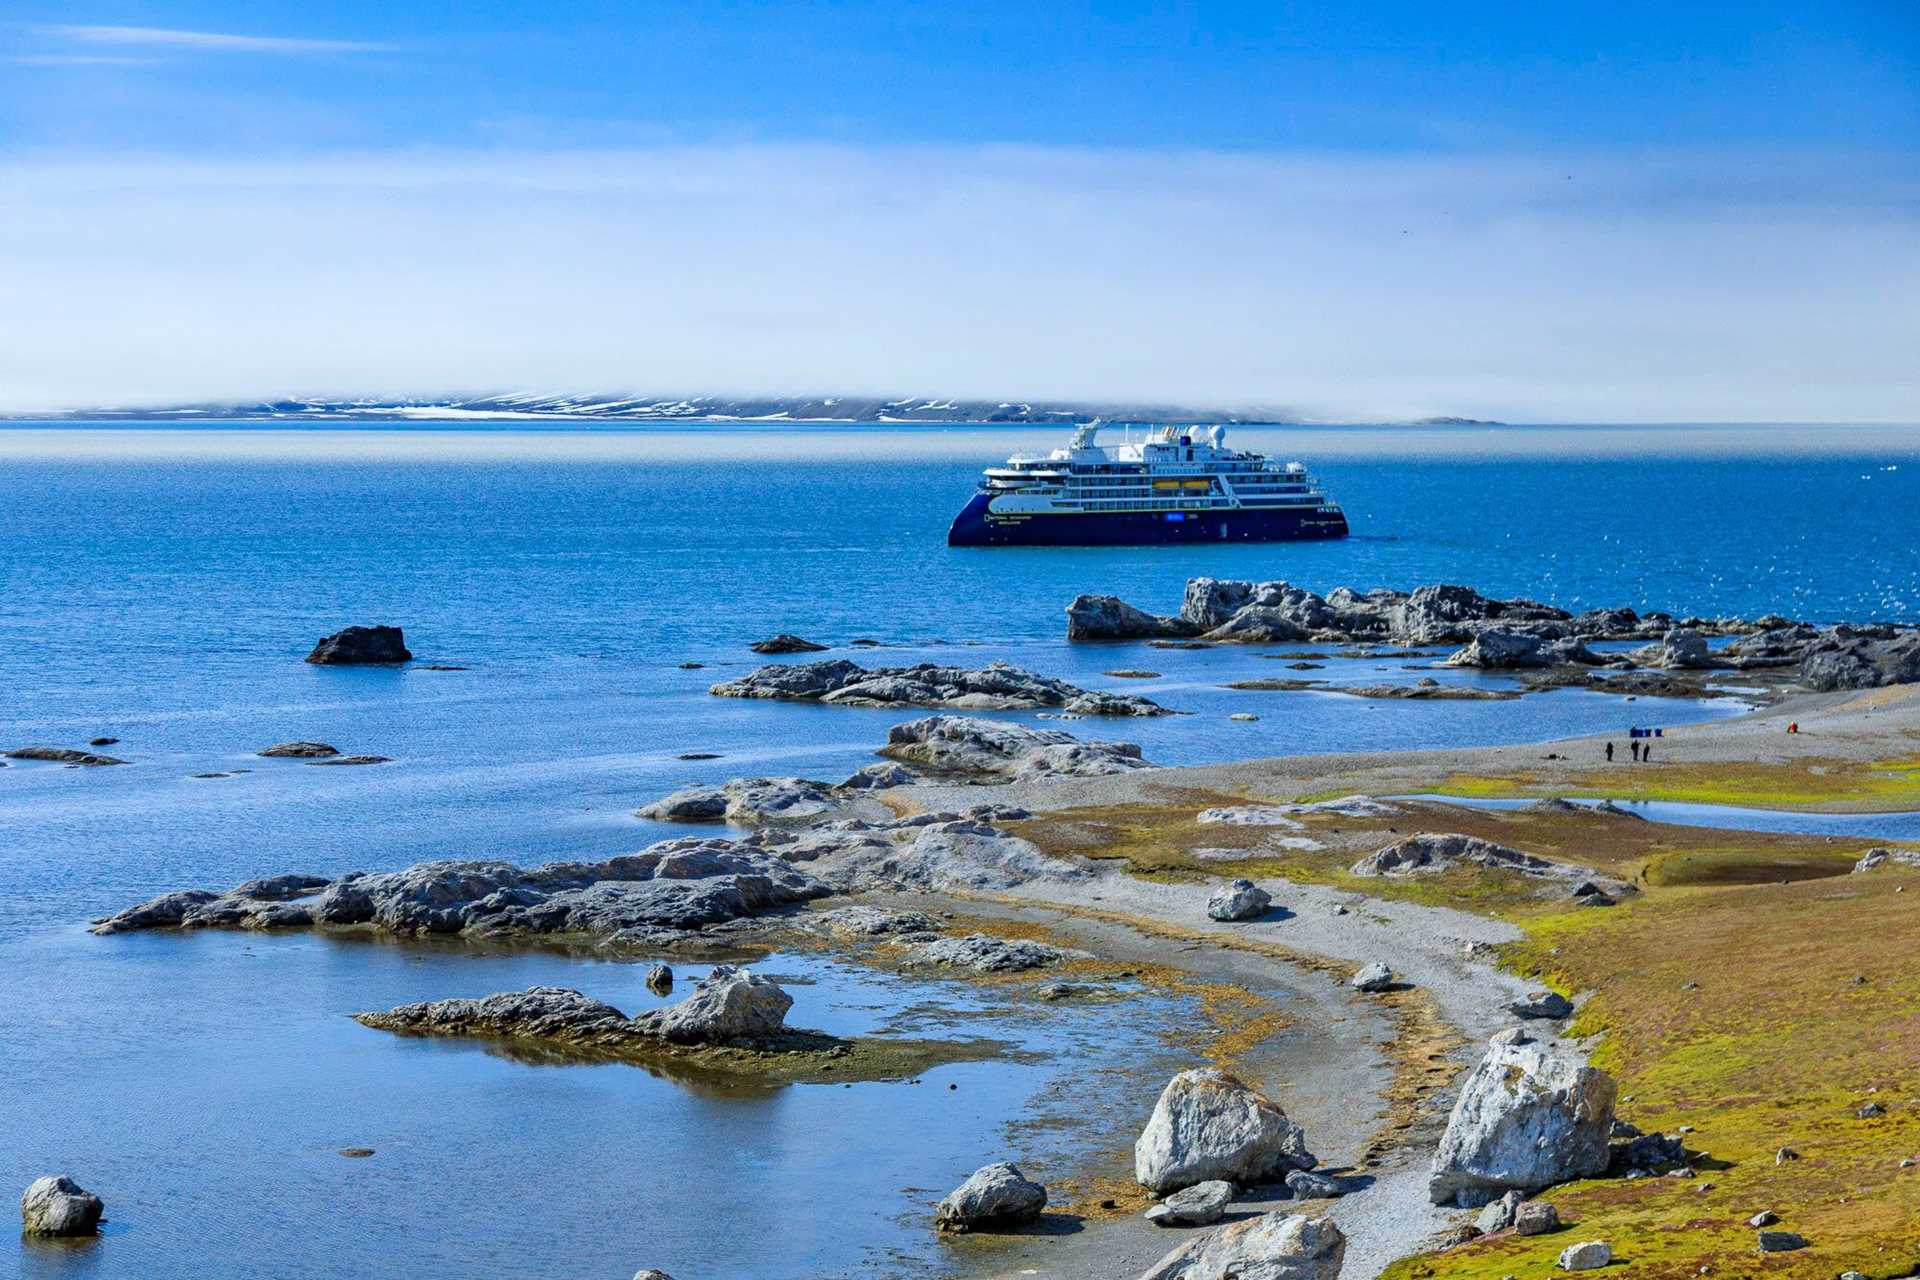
1636 750
1609 753
1646 754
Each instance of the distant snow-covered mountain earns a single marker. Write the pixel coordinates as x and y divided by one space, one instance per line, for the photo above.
522 407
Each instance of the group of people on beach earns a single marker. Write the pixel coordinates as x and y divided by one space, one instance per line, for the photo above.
1642 754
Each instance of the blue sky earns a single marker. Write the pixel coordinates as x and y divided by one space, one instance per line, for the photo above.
1519 210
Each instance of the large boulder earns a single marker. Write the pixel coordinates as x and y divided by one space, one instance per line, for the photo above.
727 1005
1507 649
1273 1246
56 1205
745 802
998 1195
786 643
1209 1125
1440 613
1681 649
998 750
1111 618
1525 1119
1853 658
1209 602
361 646
1238 900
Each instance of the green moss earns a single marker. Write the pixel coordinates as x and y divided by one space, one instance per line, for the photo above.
1877 785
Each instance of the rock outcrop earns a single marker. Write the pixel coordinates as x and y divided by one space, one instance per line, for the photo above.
983 953
1504 649
361 646
676 885
1873 859
1207 1126
746 802
728 1007
1111 618
998 1195
300 751
1238 900
62 755
786 643
1525 1119
997 750
995 687
56 1205
1273 1246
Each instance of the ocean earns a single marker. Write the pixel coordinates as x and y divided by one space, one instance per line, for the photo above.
160 585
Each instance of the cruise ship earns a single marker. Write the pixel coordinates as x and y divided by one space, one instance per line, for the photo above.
1175 484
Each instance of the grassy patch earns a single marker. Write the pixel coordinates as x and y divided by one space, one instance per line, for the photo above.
1806 784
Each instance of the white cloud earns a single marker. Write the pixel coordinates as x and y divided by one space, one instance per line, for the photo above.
212 41
1766 286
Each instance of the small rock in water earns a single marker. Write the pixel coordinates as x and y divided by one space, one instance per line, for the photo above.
651 1273
1586 1256
361 646
61 755
1196 1206
300 751
1129 673
786 643
1781 1241
1373 977
353 760
998 1195
101 742
692 666
356 1153
698 755
56 1205
660 979
1243 715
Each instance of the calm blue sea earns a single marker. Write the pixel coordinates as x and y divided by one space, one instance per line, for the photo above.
161 586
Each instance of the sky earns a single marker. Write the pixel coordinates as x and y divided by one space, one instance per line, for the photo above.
1568 212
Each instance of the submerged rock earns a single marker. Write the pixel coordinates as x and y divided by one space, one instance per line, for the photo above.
995 687
361 646
785 643
998 1195
1207 1126
1196 1206
1238 900
1525 1119
994 749
61 755
1273 1246
300 751
56 1205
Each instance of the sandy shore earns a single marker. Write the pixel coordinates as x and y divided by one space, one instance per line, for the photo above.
1336 1072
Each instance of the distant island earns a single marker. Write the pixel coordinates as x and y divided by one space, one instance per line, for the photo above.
624 407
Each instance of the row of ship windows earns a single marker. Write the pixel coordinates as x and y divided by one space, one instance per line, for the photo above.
1175 504
1245 491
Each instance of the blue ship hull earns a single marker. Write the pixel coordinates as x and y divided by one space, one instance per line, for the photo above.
975 527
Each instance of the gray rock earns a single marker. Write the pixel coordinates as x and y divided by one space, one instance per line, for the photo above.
977 749
1432 851
1681 649
300 751
996 687
679 884
1499 1214
651 1273
361 646
1273 1246
862 921
1207 1126
660 979
1525 1119
1588 1255
56 1205
983 954
1781 1241
1535 1218
1542 1004
1873 859
727 1006
1238 900
998 1195
1196 1206
746 802
785 643
879 777
1308 1185
943 852
1111 618
1373 977
1505 649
